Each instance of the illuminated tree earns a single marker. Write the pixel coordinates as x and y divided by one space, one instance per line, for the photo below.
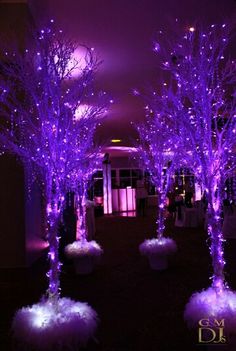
204 100
50 111
157 150
84 253
88 166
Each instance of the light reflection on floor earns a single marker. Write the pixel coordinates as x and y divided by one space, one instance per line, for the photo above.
126 214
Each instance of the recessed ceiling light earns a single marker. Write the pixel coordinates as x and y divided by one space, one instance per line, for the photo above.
116 140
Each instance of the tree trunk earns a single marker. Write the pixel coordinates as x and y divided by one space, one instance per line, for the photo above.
53 215
215 233
160 215
82 212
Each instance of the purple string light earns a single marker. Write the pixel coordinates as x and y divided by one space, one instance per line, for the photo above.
44 130
202 98
157 146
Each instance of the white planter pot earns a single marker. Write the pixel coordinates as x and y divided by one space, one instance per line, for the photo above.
158 262
66 325
84 264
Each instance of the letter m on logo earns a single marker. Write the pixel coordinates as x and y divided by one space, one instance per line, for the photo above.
220 323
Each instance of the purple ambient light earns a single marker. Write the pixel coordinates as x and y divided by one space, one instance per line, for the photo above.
46 326
202 100
157 153
83 247
212 305
58 150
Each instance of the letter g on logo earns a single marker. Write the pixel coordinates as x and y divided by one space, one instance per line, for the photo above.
204 322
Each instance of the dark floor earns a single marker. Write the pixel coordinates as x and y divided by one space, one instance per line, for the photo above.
139 309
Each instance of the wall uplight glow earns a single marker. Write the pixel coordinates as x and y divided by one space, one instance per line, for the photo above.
107 195
77 62
81 111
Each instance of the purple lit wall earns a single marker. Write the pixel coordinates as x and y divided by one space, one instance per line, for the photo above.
128 62
107 194
198 192
123 200
35 221
22 240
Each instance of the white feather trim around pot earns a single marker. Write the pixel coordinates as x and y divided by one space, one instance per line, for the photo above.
83 248
45 326
158 246
211 305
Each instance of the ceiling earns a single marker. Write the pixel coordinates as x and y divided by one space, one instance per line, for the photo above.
122 34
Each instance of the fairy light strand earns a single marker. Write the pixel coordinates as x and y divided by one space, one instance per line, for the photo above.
39 99
204 100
